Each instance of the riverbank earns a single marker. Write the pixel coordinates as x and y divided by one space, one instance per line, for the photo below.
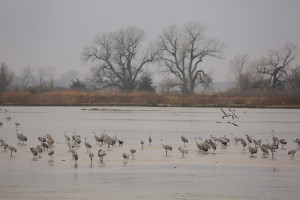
80 98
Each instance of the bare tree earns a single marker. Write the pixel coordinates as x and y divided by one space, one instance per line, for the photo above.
182 51
26 76
6 77
51 76
241 71
41 75
119 58
276 66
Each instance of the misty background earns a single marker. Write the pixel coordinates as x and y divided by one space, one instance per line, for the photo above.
43 34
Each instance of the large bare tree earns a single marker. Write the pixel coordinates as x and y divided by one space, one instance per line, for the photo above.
119 58
182 52
277 65
6 77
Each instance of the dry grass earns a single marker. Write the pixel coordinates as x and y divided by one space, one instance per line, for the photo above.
77 98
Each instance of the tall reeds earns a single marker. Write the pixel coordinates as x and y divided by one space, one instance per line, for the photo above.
80 98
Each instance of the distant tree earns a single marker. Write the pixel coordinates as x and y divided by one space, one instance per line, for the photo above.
146 84
119 58
241 71
6 77
77 85
26 77
50 74
277 67
182 51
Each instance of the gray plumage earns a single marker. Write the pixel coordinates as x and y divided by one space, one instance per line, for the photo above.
33 151
166 147
183 151
264 150
132 151
252 150
125 157
101 154
50 153
91 155
292 153
12 149
184 140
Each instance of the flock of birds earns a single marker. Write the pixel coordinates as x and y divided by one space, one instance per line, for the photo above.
74 142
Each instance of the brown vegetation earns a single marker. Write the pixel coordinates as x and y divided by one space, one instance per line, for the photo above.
80 98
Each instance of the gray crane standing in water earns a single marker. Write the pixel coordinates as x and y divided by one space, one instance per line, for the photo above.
87 145
283 142
264 150
75 156
142 143
50 153
125 157
91 155
150 140
132 151
183 151
252 150
292 153
166 147
11 148
34 151
101 154
184 140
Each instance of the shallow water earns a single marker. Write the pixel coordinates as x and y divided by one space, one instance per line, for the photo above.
226 174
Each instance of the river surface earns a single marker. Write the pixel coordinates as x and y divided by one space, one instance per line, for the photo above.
229 173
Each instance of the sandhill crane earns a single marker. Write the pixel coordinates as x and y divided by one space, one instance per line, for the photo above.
33 151
101 154
184 140
150 140
249 139
97 139
42 139
252 150
214 139
50 142
39 148
1 124
292 153
234 124
17 124
50 153
87 145
132 151
91 155
212 145
256 143
75 156
236 139
183 151
243 142
120 141
125 157
142 143
11 148
44 145
264 150
297 140
283 142
166 147
223 142
275 140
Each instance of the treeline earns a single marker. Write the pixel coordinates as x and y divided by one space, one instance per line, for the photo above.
80 98
123 61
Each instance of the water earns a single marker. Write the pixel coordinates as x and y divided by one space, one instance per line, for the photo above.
228 174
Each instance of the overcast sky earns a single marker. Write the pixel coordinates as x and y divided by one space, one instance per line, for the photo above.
42 33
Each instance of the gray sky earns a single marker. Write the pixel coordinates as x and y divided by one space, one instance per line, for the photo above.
42 33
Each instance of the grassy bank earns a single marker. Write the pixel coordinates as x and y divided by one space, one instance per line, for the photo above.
76 98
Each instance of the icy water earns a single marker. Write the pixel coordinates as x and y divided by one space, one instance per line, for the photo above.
228 173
